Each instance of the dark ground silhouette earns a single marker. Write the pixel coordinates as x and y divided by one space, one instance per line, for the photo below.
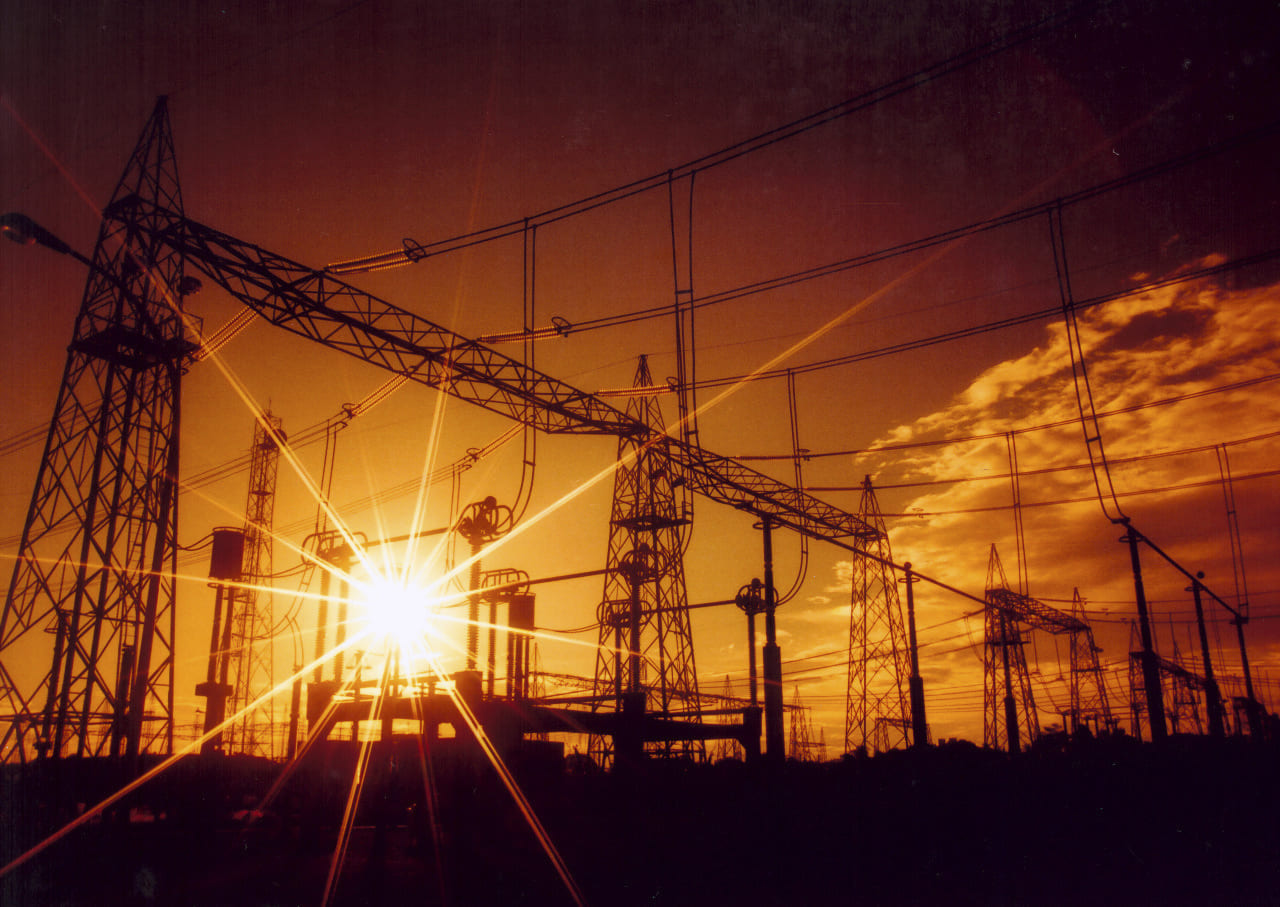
1194 821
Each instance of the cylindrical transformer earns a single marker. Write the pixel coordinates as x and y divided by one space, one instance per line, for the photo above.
227 554
519 618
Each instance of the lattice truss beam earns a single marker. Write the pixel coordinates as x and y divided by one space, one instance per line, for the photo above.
97 556
313 304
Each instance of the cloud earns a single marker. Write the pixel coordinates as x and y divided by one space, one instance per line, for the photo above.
1182 380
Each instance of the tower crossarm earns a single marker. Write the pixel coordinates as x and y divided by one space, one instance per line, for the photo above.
728 481
1034 613
1171 668
317 306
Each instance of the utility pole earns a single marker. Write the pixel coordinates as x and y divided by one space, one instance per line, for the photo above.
774 736
915 683
1150 669
1212 695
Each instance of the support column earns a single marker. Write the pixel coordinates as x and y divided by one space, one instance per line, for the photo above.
1212 695
774 734
1150 670
915 684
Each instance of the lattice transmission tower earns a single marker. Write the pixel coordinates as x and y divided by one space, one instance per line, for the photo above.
251 603
1010 707
802 745
1090 707
1137 694
726 748
879 653
92 593
645 644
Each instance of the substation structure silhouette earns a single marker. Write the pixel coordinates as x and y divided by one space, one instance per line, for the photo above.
93 593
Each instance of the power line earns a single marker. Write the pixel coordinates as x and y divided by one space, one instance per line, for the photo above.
1044 426
1049 470
1164 489
413 252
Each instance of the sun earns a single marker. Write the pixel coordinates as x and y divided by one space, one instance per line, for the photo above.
398 612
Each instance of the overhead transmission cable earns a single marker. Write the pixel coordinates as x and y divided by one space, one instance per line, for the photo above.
1044 426
1050 470
1085 403
797 456
529 458
412 252
36 433
1163 168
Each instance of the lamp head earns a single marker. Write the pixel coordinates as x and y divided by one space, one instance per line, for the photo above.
23 230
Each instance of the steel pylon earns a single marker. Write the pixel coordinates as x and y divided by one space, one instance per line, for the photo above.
86 637
876 704
251 603
1010 707
1089 702
645 643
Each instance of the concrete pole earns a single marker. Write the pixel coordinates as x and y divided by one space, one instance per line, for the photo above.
1150 670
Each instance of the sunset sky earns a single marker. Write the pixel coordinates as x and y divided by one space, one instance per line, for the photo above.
330 131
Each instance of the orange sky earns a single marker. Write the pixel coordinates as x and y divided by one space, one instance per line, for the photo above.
336 130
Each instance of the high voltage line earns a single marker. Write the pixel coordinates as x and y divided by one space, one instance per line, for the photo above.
1045 426
941 238
413 252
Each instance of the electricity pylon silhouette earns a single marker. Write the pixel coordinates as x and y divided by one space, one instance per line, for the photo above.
726 748
92 592
1009 703
800 743
251 603
879 655
645 644
1089 703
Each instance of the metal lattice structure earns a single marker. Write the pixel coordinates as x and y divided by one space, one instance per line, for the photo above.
1185 688
251 603
801 744
1137 694
1009 701
1090 707
645 643
97 556
96 563
315 305
726 748
1181 689
1009 706
877 709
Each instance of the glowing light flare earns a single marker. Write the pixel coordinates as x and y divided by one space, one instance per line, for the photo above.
396 610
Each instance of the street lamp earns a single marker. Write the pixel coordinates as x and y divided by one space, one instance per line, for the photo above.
25 232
